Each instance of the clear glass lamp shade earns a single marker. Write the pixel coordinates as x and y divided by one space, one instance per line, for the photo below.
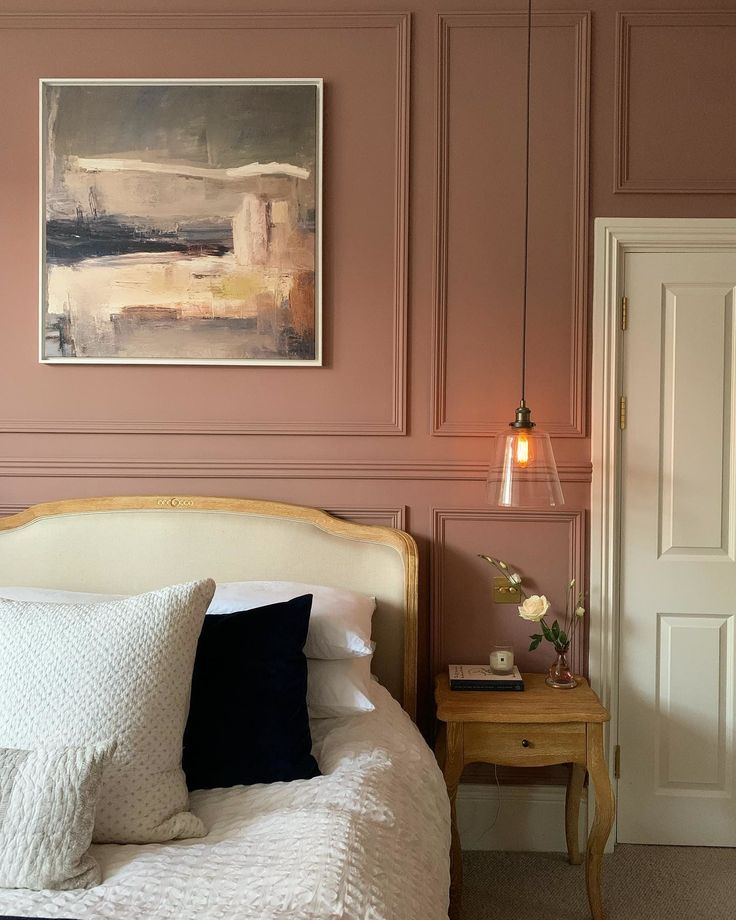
523 473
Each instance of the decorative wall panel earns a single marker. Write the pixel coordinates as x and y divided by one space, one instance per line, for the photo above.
364 59
465 623
675 97
479 221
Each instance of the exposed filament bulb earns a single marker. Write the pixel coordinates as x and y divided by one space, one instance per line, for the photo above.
521 454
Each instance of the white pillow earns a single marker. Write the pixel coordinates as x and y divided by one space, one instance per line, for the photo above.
340 622
75 674
53 596
340 687
339 625
47 812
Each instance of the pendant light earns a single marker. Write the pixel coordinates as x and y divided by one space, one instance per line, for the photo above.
523 473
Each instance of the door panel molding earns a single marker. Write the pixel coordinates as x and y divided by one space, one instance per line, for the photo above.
614 238
696 496
683 764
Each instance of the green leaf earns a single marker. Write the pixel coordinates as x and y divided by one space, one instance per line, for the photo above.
562 639
555 629
547 632
535 642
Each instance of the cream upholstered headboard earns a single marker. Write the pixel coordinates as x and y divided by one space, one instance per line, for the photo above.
130 544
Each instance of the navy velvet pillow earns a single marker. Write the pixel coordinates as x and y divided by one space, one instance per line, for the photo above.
248 720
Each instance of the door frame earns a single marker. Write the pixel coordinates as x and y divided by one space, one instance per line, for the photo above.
614 238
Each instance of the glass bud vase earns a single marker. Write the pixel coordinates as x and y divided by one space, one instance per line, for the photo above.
560 676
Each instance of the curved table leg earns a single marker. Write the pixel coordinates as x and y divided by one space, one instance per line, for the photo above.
603 820
450 749
572 812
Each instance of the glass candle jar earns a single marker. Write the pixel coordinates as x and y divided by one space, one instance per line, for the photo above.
502 659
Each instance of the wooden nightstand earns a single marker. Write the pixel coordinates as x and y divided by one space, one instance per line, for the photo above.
535 728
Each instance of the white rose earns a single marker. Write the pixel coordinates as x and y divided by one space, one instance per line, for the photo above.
534 608
580 611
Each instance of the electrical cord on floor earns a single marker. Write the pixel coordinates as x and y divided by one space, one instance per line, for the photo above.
498 790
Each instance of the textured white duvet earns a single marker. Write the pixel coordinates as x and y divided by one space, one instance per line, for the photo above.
368 840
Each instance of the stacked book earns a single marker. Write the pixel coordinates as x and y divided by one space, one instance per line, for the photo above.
482 677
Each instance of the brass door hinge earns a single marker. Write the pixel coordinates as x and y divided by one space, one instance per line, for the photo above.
622 413
617 761
624 313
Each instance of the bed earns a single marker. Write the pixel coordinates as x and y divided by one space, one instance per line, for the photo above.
367 840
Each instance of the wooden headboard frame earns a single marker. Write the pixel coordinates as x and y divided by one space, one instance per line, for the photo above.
130 544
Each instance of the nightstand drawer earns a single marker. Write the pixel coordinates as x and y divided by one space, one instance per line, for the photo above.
533 745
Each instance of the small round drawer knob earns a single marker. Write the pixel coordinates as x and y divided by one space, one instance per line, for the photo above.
525 742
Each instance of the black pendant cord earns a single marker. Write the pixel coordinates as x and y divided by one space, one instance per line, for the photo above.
526 197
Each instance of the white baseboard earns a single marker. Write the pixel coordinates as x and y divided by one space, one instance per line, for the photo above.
531 818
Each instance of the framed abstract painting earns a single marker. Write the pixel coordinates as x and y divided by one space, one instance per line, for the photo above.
181 221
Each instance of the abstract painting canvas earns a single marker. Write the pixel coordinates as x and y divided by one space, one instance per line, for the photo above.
181 221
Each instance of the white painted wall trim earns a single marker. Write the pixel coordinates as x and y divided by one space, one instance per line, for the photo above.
614 237
532 818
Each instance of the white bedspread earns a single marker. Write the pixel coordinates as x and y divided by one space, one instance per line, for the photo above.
368 840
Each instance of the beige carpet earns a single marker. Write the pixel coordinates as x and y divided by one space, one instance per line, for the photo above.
639 883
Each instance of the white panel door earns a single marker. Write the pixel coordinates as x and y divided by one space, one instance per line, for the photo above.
678 554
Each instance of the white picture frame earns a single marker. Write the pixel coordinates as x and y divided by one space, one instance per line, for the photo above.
263 278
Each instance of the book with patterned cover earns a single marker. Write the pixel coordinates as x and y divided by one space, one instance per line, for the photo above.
482 677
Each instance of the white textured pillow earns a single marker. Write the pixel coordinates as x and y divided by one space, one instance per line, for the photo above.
339 687
74 674
47 812
339 625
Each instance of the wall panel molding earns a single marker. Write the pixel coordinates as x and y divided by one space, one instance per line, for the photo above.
440 519
446 22
386 517
64 426
439 470
199 21
664 19
400 24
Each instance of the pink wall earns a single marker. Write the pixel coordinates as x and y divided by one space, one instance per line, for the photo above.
632 116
